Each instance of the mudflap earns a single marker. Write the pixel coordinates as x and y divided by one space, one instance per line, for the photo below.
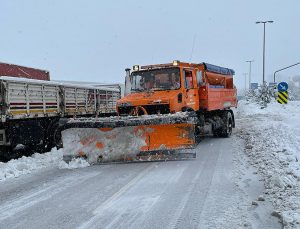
167 141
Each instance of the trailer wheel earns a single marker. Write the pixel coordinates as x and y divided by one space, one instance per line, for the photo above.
5 154
8 152
57 136
228 124
53 138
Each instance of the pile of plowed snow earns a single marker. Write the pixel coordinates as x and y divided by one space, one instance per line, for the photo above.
26 165
272 138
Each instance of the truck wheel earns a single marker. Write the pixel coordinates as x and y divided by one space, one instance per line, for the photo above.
228 124
217 133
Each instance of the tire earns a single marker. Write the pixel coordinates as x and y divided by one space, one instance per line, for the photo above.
57 136
8 153
226 130
53 138
5 154
217 133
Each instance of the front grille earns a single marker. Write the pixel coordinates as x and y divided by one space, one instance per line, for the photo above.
151 109
158 109
124 110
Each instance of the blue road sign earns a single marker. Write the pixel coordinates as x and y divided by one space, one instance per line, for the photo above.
283 86
254 86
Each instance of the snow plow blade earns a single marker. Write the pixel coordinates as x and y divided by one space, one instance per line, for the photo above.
115 139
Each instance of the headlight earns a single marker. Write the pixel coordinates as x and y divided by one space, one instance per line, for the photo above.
175 62
136 67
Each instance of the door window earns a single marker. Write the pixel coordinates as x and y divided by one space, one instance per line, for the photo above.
188 79
199 78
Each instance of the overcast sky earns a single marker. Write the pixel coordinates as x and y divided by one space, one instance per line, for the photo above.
95 40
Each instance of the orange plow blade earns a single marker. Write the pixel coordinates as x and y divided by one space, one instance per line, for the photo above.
135 140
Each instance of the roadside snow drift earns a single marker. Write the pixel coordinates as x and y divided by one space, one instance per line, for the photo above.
26 165
272 138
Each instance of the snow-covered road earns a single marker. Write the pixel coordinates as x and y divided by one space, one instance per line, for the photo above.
219 189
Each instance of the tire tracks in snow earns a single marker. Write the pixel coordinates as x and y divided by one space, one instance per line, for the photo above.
108 203
131 205
26 201
196 193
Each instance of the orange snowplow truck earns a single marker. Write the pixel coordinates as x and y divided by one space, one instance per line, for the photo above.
166 108
175 87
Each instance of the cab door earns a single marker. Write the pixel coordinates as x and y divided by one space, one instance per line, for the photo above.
190 90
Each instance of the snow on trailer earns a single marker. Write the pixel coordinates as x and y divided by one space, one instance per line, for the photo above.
30 110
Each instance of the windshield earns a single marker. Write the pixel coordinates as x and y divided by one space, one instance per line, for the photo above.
158 79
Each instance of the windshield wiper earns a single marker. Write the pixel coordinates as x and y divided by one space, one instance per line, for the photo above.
136 89
160 89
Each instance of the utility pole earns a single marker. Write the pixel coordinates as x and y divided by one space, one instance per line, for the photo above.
245 75
264 22
250 61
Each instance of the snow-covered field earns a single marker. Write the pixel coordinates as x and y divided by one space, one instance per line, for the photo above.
272 138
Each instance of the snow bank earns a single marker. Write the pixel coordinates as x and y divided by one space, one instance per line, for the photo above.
75 163
273 145
26 165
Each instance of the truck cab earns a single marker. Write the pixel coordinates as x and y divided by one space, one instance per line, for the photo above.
161 89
